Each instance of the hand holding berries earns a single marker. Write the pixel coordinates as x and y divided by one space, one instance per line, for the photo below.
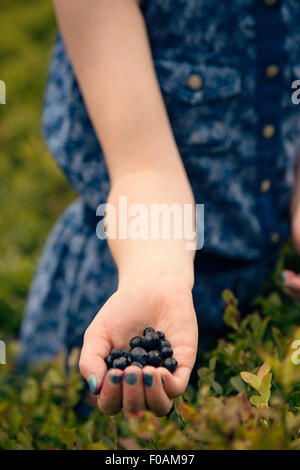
138 386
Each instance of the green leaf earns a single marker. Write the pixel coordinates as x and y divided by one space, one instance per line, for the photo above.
265 368
255 400
67 437
252 380
30 391
212 363
177 402
232 317
265 390
237 383
217 388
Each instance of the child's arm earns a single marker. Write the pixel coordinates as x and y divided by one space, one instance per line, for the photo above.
108 47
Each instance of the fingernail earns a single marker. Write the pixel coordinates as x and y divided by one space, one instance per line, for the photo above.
283 276
289 286
163 380
115 379
130 378
148 379
92 384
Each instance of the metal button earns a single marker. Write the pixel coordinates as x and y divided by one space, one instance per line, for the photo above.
272 71
265 186
275 237
270 3
195 82
268 131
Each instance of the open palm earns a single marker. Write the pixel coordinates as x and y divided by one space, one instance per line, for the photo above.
127 313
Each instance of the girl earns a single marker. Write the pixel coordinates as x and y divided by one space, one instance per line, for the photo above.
189 101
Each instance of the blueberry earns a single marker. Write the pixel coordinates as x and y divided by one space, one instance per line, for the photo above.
139 355
166 352
148 330
108 361
165 343
120 363
127 354
135 342
135 363
151 341
116 353
153 358
170 363
160 334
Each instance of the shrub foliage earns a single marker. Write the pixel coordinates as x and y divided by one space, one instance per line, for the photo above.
247 396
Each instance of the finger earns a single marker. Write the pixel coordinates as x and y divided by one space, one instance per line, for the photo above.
156 397
175 384
91 363
287 274
133 395
293 293
291 280
110 398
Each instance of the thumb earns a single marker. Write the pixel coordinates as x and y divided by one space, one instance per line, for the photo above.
91 364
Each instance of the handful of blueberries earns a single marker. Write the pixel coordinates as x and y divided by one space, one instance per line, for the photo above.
152 349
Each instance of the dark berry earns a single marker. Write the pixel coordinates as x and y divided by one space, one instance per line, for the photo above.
165 344
137 364
151 341
148 330
153 358
135 342
139 355
166 352
120 363
170 363
127 354
160 334
116 353
108 361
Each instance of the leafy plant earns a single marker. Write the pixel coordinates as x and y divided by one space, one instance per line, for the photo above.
260 382
51 409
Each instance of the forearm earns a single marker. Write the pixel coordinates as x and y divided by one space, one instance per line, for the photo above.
112 61
108 47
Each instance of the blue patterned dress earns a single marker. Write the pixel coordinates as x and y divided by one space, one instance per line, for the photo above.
225 70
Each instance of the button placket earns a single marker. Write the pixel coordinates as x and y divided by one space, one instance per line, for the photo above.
269 86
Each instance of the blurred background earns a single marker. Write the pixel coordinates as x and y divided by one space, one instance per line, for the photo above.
33 191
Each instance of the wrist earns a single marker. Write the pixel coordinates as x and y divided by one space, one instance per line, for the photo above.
149 274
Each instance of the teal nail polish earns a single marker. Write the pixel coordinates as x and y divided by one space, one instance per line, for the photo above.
130 378
148 379
163 380
92 384
115 379
283 276
289 286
